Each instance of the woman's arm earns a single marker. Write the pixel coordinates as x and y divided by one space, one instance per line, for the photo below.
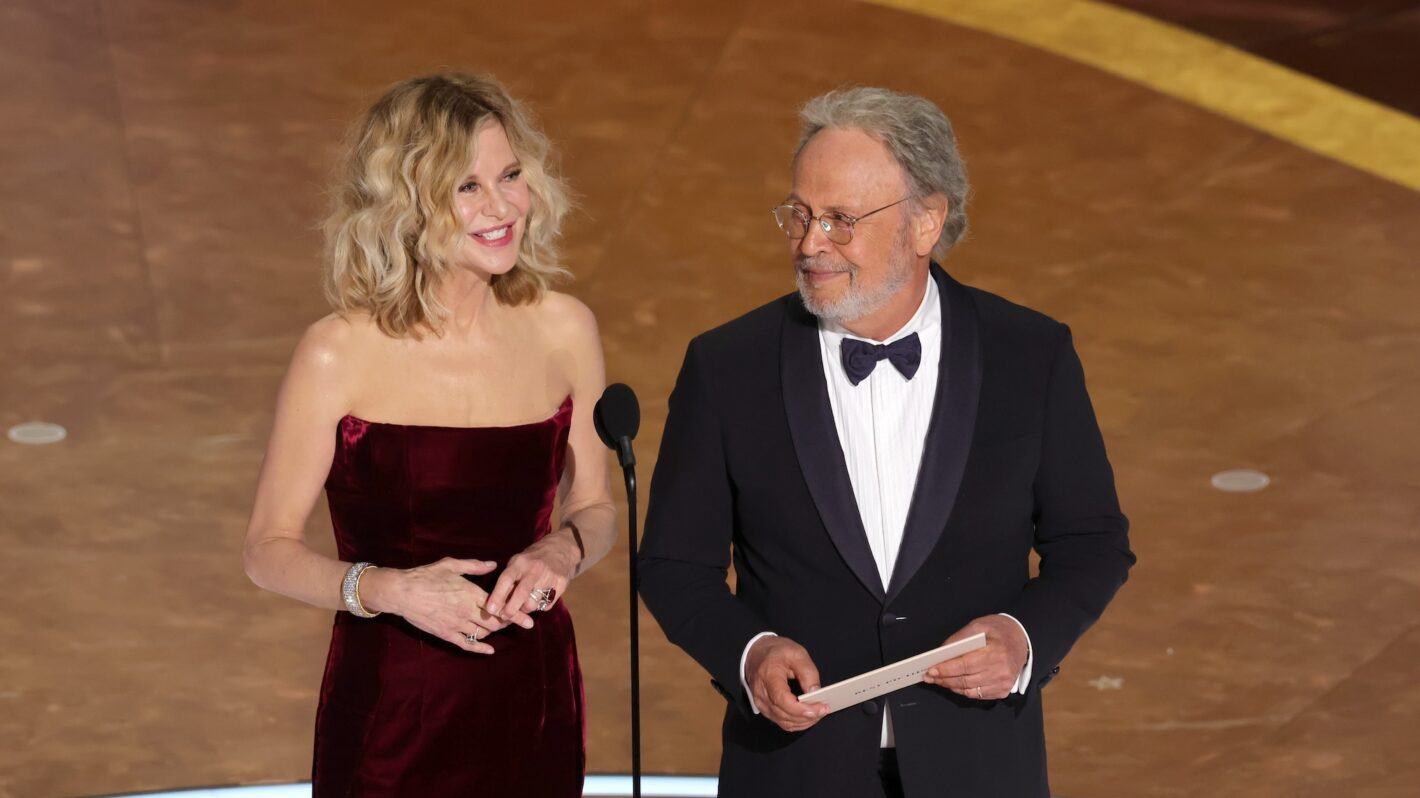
315 394
588 511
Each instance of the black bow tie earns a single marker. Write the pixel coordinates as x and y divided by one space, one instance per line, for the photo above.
861 357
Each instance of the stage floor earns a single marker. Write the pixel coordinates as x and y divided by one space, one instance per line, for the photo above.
1238 301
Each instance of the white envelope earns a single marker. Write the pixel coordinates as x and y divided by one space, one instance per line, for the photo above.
884 680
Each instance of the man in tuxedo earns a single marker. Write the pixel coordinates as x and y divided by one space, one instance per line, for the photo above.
881 451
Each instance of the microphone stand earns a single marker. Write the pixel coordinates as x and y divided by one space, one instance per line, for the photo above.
627 457
617 417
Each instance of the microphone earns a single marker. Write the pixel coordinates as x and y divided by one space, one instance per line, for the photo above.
617 417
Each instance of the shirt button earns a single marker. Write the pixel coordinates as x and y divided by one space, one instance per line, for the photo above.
870 708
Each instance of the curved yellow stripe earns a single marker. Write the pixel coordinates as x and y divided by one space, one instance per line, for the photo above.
1291 106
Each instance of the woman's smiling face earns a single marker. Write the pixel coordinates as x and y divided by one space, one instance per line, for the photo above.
492 201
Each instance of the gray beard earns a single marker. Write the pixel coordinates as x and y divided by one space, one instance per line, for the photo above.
856 302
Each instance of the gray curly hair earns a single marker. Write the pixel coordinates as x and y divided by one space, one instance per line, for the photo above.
918 135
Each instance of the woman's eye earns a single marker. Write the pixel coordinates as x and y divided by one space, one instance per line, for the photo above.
513 176
468 187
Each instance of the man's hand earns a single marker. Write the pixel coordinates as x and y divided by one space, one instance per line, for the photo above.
989 673
771 663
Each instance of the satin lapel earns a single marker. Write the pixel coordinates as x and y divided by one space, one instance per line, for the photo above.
816 443
948 434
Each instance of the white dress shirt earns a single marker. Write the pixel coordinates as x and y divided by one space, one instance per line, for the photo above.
882 425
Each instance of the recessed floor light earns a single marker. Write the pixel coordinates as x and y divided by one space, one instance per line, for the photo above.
1241 480
596 784
37 433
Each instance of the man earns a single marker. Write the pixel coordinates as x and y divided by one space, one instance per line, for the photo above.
881 451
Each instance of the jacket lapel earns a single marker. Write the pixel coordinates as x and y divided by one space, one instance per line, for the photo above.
949 433
817 446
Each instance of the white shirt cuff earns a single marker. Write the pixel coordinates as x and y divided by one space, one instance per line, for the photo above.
1023 680
743 658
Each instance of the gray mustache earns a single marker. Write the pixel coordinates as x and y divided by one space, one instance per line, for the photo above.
805 265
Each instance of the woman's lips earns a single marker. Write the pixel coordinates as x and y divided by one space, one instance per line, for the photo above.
501 236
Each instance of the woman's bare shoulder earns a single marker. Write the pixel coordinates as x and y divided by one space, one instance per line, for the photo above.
570 330
566 317
336 343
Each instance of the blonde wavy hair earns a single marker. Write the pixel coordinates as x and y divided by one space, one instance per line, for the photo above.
393 228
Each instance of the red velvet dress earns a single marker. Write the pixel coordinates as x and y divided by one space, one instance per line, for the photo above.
403 713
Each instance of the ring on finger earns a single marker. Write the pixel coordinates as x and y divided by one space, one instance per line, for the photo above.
472 638
978 692
544 597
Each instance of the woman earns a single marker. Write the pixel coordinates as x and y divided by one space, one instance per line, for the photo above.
440 406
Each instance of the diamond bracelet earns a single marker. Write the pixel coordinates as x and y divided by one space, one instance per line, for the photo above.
350 590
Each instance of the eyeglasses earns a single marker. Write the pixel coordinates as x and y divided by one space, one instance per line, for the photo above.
838 227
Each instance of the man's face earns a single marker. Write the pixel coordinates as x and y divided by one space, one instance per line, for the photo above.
850 172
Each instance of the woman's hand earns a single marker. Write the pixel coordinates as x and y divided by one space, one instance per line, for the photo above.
548 564
436 598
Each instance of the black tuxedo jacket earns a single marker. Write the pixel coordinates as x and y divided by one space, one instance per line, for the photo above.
750 462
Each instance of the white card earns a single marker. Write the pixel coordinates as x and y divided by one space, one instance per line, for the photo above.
884 680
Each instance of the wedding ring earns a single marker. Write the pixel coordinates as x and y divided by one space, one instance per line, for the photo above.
978 692
473 638
544 597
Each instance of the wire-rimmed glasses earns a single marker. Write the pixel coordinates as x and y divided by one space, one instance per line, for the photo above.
836 226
